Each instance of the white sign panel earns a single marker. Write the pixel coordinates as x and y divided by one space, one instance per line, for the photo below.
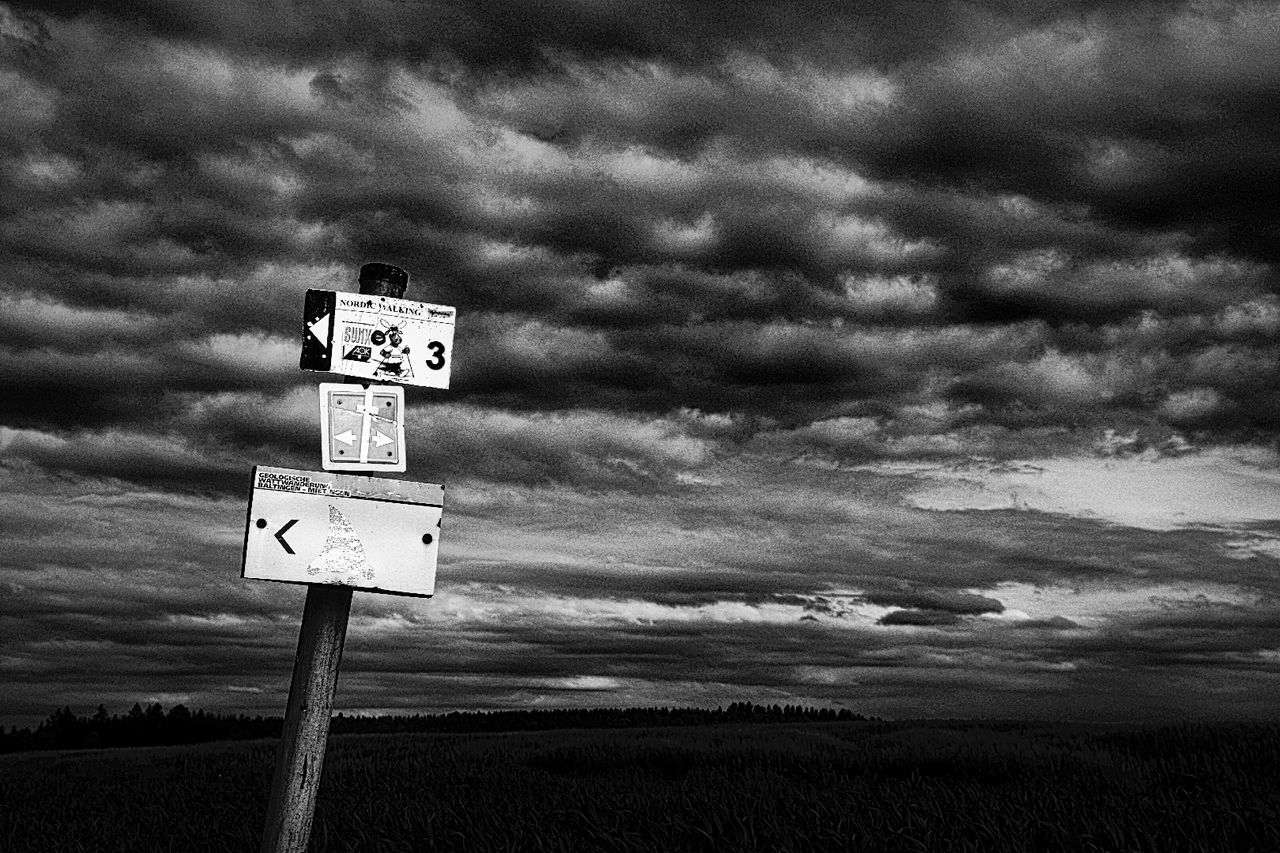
361 428
378 338
369 533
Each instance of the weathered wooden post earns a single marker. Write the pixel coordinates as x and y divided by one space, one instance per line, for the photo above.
306 721
306 524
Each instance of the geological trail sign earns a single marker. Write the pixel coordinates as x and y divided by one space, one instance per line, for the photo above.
377 338
367 533
361 429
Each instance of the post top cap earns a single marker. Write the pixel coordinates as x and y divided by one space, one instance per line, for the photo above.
385 272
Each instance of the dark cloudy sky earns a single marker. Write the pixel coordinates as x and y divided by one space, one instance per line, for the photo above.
918 358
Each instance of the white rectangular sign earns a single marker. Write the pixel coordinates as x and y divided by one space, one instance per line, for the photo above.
369 533
378 338
361 427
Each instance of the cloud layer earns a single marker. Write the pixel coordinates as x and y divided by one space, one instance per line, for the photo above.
802 352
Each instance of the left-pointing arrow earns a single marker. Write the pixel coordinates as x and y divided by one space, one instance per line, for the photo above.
281 532
320 329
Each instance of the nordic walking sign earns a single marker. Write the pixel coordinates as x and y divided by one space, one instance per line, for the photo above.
368 533
377 338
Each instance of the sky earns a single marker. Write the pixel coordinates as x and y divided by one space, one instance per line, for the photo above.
913 358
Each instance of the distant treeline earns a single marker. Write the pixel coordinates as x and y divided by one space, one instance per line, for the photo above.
150 726
153 726
589 718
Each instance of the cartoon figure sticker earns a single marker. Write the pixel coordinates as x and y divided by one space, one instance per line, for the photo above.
378 338
395 362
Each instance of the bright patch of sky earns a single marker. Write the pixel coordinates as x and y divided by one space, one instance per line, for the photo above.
1219 487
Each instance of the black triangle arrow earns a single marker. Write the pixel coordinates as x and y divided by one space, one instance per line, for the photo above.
280 534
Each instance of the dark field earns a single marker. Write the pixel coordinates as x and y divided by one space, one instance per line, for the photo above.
828 786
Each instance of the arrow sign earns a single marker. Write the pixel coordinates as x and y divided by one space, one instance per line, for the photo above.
317 330
370 533
282 531
361 428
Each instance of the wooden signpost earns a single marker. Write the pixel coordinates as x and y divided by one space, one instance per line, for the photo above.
337 532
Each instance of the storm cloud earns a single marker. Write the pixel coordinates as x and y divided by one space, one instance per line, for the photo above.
920 358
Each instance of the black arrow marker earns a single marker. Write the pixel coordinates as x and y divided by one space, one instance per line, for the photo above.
280 534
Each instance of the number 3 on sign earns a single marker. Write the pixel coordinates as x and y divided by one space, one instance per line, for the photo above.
437 355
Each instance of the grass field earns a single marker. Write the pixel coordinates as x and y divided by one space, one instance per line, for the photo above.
830 786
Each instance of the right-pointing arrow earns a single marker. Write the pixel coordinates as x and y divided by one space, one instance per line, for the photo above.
281 532
379 439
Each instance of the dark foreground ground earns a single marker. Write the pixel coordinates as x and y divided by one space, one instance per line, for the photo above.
829 786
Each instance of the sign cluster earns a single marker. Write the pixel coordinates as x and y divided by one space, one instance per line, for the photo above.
333 527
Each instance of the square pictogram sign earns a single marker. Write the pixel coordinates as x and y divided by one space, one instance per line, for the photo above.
361 427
